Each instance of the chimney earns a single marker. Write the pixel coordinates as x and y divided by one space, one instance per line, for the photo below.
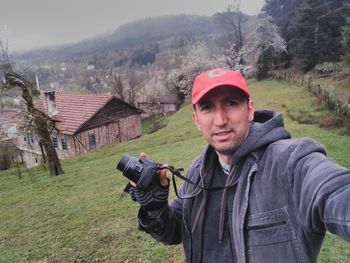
51 103
37 81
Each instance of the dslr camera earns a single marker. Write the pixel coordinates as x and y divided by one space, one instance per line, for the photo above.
141 171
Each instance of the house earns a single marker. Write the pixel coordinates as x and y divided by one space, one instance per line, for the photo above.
86 121
159 105
7 126
89 121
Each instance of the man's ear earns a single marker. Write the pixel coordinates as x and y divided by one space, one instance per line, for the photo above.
251 110
195 120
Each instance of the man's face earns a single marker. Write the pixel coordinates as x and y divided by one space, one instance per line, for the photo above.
223 116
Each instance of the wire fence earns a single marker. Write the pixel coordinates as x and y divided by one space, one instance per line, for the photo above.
327 94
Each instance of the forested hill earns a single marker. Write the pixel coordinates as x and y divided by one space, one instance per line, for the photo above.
138 53
316 31
171 31
162 55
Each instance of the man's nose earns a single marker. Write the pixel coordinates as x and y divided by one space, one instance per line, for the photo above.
220 117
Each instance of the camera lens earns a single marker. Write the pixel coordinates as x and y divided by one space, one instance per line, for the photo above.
123 162
130 167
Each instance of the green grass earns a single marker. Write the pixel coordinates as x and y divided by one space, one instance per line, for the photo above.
82 216
152 124
341 86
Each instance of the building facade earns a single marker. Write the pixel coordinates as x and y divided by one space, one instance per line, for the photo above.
83 122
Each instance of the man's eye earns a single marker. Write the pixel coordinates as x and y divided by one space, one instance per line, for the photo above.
232 102
205 107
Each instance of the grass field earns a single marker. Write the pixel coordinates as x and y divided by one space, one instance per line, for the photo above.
82 216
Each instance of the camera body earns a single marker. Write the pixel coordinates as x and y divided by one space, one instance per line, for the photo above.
141 171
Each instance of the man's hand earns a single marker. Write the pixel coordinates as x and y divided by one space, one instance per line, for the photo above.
164 181
156 197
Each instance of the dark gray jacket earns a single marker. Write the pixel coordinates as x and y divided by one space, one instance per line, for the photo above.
288 194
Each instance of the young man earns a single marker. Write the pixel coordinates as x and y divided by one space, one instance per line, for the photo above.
258 196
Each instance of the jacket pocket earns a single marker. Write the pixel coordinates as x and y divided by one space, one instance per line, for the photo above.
268 228
270 238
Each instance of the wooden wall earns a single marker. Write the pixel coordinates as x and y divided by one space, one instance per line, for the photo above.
110 133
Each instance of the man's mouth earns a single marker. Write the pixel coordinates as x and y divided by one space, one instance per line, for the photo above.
222 133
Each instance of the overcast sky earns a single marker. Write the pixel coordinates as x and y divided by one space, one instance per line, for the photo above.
36 23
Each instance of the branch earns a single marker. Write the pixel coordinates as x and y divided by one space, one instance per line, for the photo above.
15 79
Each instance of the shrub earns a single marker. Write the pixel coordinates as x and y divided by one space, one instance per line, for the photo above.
327 68
8 155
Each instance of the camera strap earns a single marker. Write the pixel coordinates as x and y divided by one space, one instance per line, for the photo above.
177 173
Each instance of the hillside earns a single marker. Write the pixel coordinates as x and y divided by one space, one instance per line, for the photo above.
158 47
147 52
168 31
81 216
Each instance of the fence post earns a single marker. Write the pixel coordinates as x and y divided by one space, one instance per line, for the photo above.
302 80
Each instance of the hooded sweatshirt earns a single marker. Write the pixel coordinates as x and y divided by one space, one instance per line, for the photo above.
215 212
285 194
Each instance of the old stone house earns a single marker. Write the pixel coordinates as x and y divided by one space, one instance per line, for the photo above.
158 105
86 121
8 138
7 126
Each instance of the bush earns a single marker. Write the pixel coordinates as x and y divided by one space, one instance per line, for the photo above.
8 155
327 68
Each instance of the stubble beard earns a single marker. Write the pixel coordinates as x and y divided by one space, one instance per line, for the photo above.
225 150
230 149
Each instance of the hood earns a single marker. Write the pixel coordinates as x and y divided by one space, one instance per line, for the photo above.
267 127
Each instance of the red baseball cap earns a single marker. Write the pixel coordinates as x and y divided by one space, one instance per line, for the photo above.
214 78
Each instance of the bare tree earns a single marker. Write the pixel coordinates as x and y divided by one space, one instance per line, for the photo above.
118 88
134 86
231 21
42 123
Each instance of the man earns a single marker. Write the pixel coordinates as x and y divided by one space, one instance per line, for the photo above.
257 195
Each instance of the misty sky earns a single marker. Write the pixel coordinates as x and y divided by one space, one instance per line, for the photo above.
36 23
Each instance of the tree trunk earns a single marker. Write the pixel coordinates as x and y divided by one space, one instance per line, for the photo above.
43 124
52 159
43 130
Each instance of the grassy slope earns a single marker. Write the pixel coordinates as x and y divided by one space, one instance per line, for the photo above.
340 80
81 216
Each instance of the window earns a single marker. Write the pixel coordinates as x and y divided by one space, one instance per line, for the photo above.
92 141
54 141
64 143
28 138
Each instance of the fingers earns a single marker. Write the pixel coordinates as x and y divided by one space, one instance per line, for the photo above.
162 173
143 155
164 181
132 183
163 178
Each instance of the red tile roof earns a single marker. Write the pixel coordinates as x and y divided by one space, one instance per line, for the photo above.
74 109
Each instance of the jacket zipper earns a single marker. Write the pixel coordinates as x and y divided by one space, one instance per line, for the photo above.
241 252
259 227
